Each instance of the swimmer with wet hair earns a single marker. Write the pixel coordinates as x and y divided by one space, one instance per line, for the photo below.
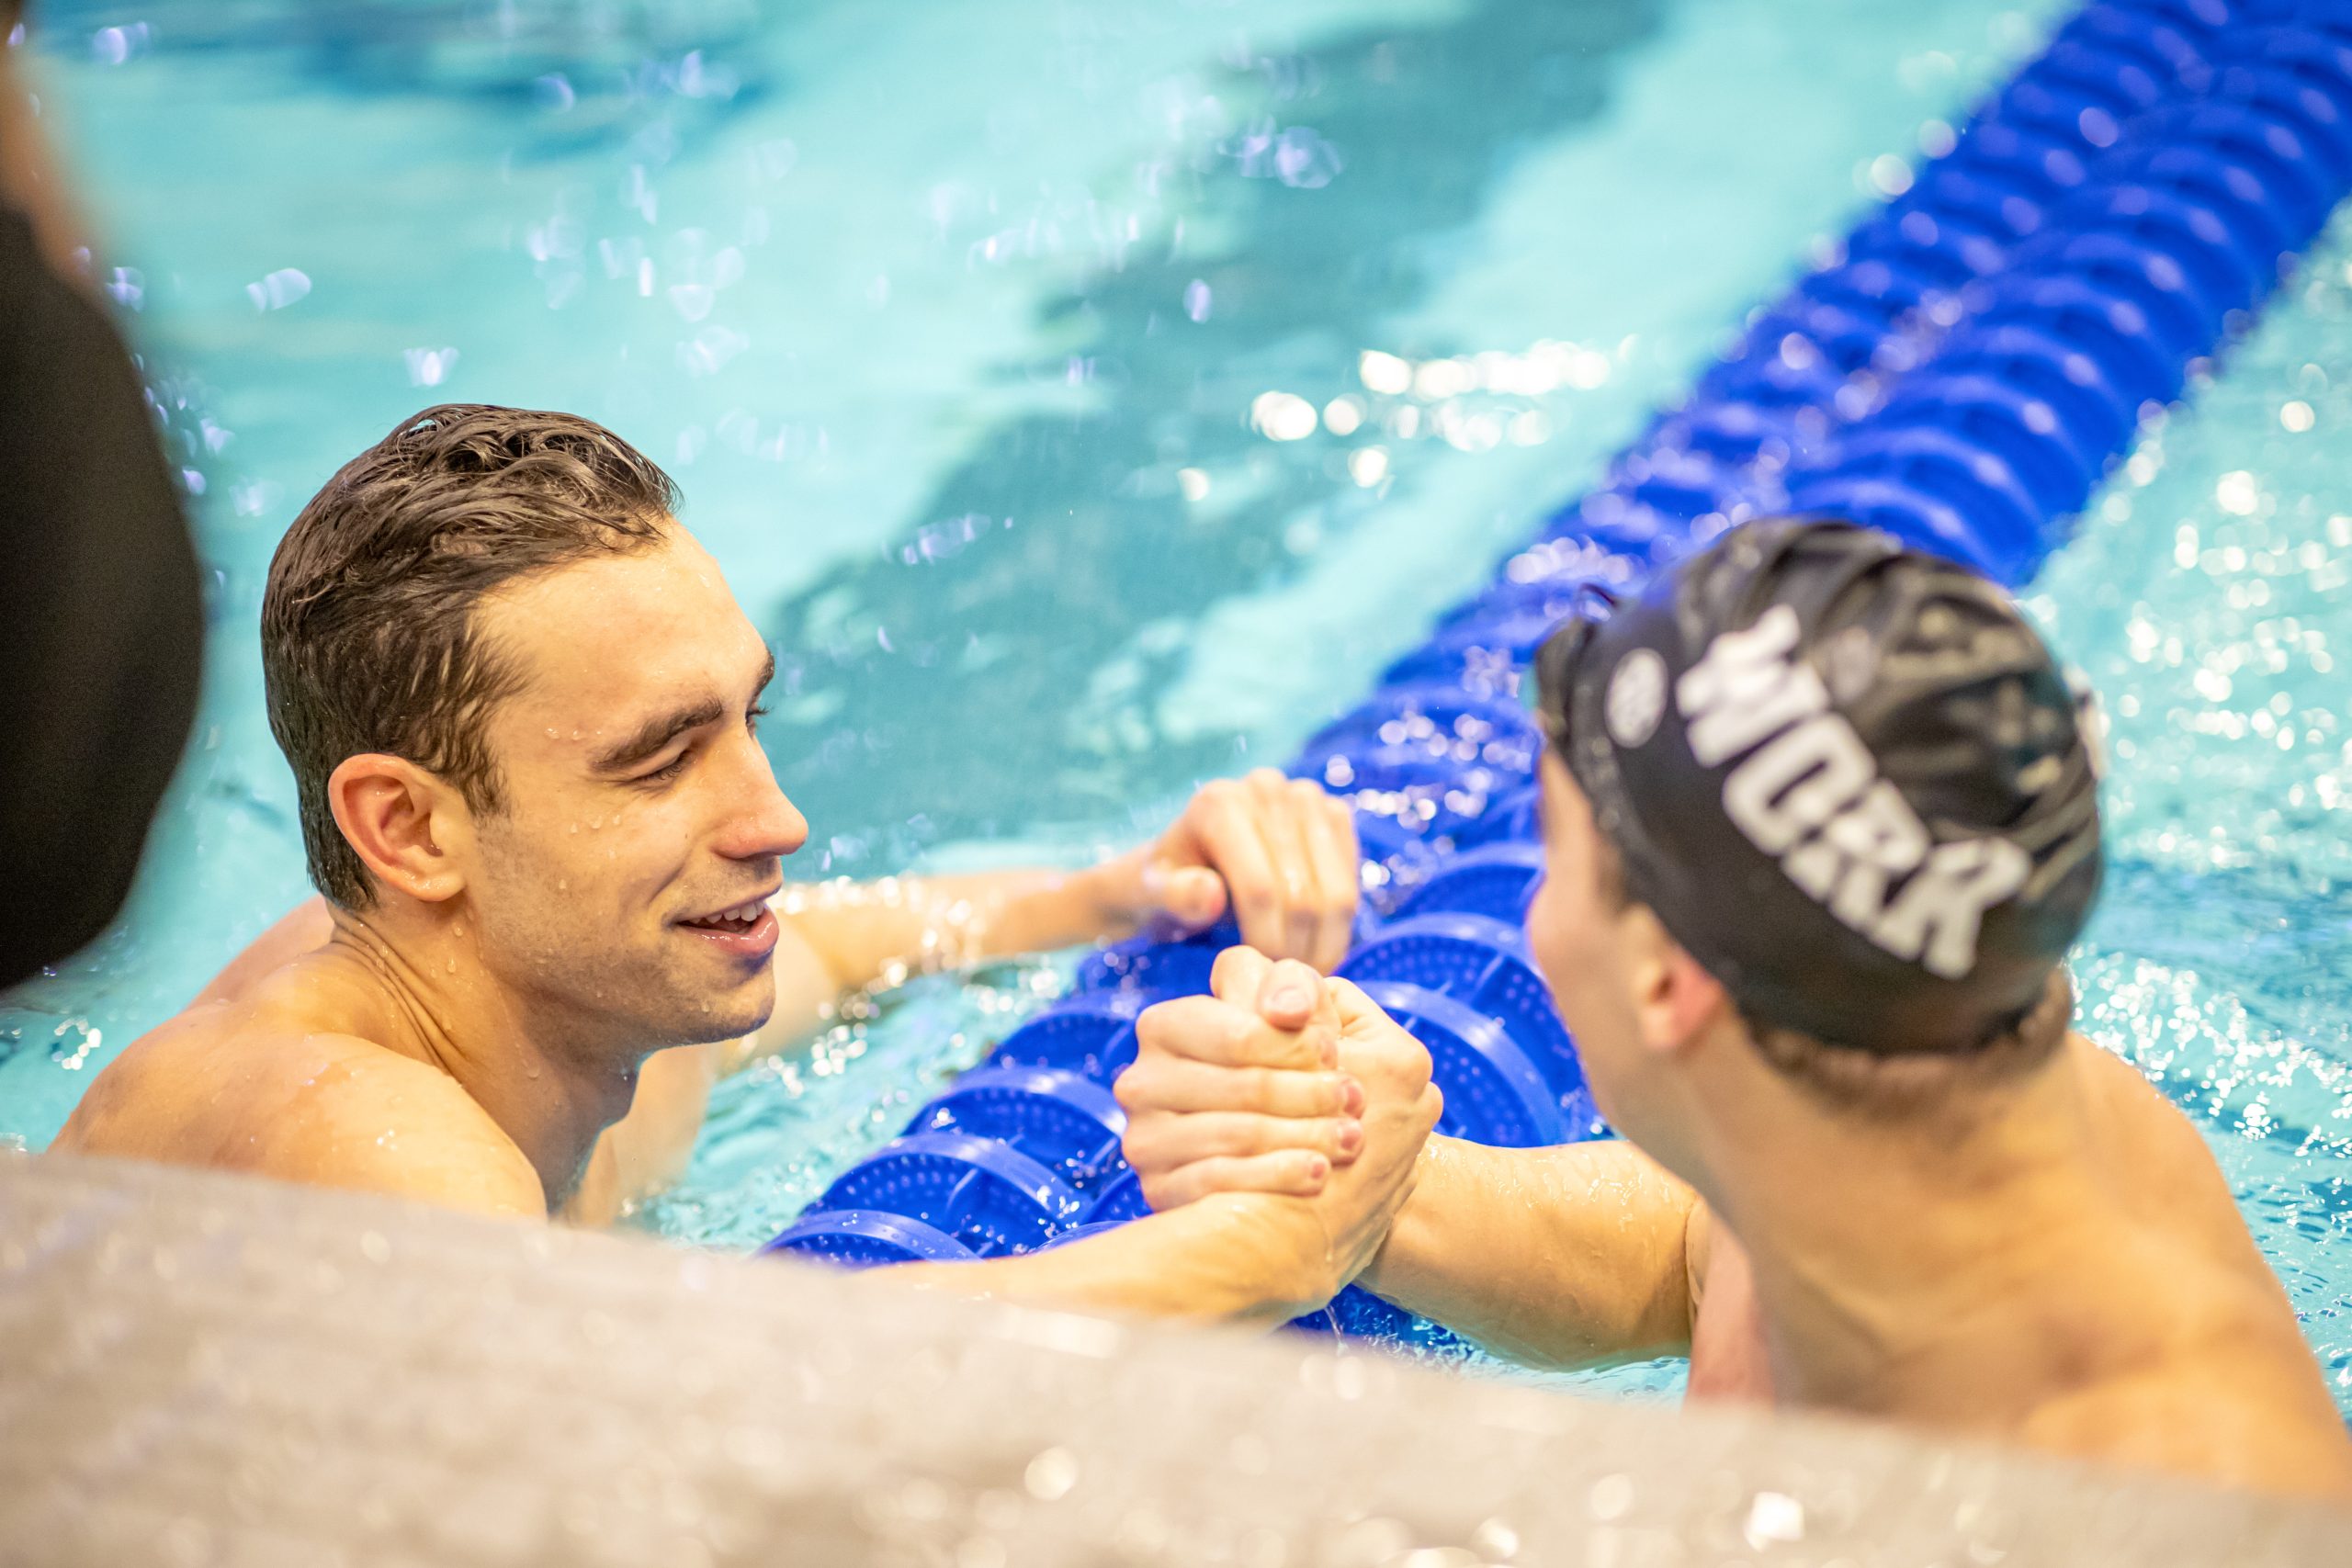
1820 823
522 707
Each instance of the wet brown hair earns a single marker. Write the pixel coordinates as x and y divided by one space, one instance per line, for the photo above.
368 636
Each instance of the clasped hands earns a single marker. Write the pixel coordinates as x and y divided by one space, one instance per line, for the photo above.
1291 1097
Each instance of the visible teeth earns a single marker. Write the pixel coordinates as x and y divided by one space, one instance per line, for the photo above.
741 914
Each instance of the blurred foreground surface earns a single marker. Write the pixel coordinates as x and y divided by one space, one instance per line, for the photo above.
205 1368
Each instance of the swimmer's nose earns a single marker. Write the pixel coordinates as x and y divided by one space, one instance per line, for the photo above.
776 829
764 824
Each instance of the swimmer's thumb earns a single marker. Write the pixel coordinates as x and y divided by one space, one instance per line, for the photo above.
1191 895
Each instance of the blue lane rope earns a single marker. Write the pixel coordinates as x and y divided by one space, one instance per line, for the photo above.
1961 374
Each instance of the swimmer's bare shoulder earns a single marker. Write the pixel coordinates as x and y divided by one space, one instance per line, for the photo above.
271 1084
2224 1419
2232 1392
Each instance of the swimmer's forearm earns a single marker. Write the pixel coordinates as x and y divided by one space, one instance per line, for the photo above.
878 933
842 938
1230 1259
1559 1257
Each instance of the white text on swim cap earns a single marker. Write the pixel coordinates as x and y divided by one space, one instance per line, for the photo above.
1808 793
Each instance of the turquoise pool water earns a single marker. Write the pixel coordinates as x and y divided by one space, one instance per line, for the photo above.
954 330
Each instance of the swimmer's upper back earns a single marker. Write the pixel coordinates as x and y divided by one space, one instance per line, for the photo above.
2229 1390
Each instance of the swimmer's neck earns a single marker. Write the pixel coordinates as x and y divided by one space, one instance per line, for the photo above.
417 986
1929 1275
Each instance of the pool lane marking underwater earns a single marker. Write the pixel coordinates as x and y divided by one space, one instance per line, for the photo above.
1979 352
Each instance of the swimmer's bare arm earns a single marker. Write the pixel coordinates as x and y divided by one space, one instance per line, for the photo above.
1583 1256
1279 853
1239 1258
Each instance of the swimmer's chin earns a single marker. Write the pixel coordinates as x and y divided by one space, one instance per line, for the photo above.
730 1017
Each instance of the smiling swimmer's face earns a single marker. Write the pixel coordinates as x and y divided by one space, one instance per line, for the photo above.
639 814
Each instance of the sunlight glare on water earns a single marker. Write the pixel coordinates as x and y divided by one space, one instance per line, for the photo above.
2204 596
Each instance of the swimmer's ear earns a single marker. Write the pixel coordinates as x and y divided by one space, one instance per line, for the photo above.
408 826
1675 999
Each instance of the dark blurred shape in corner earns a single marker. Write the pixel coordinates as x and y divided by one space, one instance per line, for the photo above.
101 622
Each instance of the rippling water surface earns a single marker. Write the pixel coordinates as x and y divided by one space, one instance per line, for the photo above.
1013 358
2206 598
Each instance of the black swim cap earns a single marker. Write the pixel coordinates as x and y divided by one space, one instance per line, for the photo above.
1848 777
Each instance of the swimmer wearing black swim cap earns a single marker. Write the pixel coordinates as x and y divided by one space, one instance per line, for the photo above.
1820 822
1847 776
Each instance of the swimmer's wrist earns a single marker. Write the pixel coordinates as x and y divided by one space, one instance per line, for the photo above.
1113 895
1277 1250
1398 1244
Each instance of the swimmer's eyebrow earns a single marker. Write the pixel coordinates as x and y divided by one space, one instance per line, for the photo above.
659 731
656 733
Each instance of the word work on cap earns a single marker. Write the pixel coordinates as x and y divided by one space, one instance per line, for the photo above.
1808 791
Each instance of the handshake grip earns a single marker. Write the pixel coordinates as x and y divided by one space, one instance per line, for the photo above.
1025 1151
1236 1093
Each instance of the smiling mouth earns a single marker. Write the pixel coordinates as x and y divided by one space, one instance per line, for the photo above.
737 921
